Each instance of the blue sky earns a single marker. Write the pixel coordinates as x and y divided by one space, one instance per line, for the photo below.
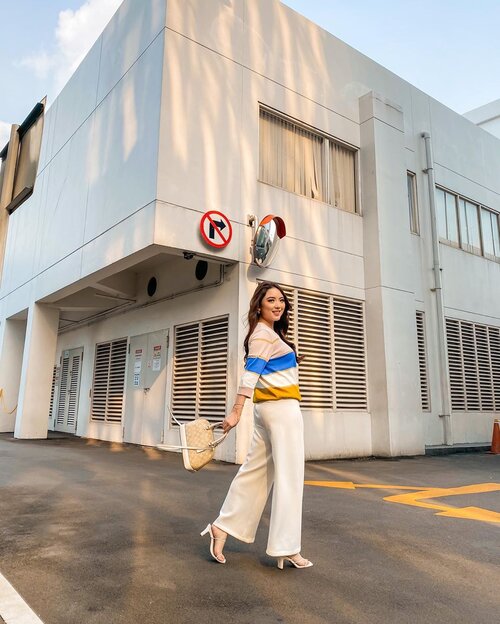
448 48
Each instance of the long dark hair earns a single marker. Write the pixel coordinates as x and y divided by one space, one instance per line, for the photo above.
280 326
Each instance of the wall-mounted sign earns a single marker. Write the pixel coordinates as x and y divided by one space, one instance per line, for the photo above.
216 229
157 358
266 240
137 367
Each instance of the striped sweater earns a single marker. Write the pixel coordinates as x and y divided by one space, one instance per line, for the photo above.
271 368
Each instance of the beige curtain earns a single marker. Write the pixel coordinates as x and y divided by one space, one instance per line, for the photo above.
290 157
342 178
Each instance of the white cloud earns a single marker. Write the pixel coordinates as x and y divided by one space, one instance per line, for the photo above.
4 133
74 35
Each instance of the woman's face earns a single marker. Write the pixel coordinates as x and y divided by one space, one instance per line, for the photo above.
272 307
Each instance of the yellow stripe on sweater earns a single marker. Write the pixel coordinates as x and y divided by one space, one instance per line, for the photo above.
273 394
265 340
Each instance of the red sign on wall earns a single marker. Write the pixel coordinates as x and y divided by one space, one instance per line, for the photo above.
216 229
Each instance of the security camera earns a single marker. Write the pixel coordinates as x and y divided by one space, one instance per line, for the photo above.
188 255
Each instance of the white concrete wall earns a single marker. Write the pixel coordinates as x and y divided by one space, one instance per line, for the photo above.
274 56
207 303
93 202
486 117
160 124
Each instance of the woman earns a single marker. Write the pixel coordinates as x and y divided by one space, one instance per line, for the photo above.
276 453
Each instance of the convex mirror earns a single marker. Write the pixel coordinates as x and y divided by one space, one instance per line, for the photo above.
266 240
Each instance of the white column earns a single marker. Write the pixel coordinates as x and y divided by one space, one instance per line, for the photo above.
36 376
11 360
397 420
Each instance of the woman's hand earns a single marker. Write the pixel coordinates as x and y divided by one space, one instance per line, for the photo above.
234 416
231 420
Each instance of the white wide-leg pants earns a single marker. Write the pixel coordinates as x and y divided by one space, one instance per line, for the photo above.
276 456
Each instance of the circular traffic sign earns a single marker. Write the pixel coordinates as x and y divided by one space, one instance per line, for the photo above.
216 229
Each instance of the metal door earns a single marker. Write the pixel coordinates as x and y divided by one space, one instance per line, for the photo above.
146 384
69 390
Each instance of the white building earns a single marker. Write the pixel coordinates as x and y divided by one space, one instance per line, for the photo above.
247 108
486 117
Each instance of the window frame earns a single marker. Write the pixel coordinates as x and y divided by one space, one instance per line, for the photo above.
327 141
30 137
462 244
413 207
486 254
464 230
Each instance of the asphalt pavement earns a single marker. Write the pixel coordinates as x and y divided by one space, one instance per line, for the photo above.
104 533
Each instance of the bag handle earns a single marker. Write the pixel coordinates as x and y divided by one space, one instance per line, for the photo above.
217 441
210 447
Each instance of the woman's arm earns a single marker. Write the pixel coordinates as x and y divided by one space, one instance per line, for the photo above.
260 347
234 416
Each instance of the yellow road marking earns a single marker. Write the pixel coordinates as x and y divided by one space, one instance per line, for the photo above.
349 485
344 485
417 496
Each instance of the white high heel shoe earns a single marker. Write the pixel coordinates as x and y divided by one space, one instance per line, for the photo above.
281 561
212 542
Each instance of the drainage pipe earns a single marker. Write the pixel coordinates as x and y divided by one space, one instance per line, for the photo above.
444 378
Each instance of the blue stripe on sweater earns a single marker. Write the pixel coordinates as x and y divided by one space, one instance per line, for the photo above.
274 365
283 362
255 365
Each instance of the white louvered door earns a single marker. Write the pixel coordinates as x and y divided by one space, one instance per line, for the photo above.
349 355
69 390
108 384
54 393
314 330
330 332
422 361
199 388
474 366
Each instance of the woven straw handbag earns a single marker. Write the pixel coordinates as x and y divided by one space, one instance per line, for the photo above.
198 442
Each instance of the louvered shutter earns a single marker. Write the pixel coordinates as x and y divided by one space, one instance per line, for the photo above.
474 365
73 390
63 388
422 362
349 355
100 382
314 331
331 332
52 391
484 368
457 384
494 343
116 386
291 295
200 370
184 397
109 381
213 369
470 367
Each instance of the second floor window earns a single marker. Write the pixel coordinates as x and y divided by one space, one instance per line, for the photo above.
300 160
447 216
412 201
467 225
490 232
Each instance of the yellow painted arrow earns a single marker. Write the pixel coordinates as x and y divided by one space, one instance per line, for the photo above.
418 496
470 513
